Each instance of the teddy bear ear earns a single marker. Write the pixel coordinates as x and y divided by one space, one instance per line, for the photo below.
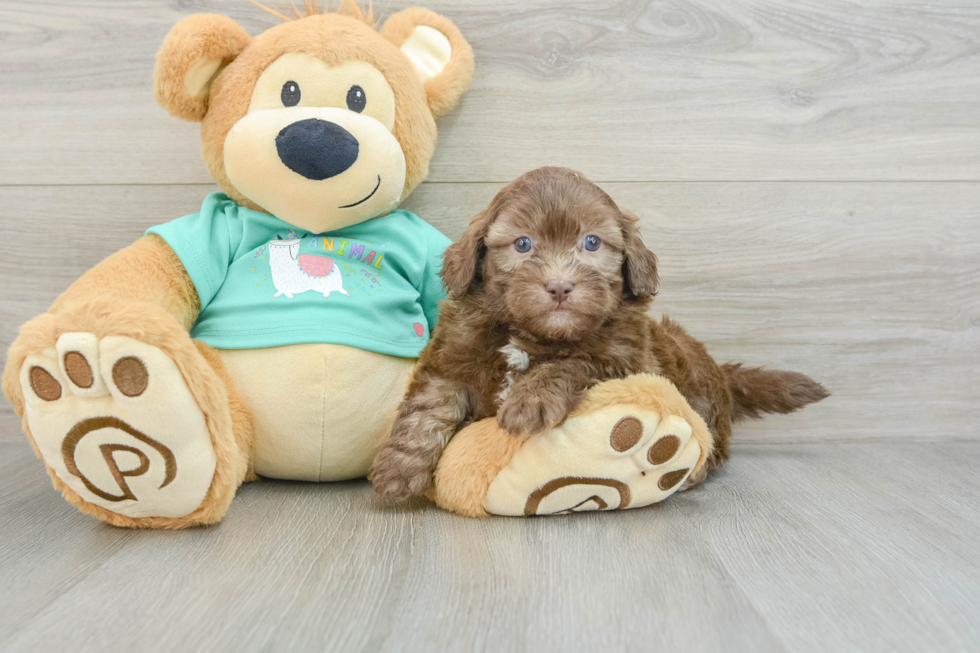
437 50
192 54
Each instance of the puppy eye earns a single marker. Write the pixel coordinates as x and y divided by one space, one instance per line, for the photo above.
290 94
523 245
356 100
592 243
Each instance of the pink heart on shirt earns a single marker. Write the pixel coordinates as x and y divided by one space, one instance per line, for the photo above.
419 329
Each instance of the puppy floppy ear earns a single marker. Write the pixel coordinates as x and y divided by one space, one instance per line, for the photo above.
193 53
437 50
640 277
461 260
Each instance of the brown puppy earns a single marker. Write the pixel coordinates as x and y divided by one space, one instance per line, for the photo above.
549 289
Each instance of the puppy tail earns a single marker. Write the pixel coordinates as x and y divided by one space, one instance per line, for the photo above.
756 391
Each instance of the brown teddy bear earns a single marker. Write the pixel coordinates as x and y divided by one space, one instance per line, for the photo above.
274 332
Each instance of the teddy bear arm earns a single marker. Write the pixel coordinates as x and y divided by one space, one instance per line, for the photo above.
147 274
146 271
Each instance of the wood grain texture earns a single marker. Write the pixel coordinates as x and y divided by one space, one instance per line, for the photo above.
869 287
824 547
622 90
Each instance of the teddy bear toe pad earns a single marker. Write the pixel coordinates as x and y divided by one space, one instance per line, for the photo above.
621 456
115 421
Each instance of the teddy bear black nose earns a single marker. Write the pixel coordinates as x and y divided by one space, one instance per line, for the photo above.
317 149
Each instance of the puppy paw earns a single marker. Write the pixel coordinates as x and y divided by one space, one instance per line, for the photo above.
399 475
527 413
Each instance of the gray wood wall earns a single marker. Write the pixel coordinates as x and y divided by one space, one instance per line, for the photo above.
808 172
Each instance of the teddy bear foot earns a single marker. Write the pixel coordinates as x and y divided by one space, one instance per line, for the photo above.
116 423
632 442
617 457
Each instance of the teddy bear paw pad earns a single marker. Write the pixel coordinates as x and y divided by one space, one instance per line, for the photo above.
621 456
117 423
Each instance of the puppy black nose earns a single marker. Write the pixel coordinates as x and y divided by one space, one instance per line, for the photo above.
559 290
317 149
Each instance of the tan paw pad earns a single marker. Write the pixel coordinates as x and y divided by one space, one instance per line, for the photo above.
78 369
44 384
626 433
663 449
130 376
78 359
670 480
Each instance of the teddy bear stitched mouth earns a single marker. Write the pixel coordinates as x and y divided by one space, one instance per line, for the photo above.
370 195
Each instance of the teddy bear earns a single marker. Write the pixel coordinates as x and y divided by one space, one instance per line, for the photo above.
274 332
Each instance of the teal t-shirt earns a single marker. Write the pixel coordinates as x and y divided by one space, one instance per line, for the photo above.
263 283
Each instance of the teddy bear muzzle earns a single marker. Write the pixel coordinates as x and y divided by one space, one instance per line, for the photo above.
316 168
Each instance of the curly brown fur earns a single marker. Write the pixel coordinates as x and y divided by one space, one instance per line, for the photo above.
524 335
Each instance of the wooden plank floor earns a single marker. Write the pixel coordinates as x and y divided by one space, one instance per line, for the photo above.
808 172
822 547
621 89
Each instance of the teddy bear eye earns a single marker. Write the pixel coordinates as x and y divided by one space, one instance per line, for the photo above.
523 244
290 94
592 243
356 100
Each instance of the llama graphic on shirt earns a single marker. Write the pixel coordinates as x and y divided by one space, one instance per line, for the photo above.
294 273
